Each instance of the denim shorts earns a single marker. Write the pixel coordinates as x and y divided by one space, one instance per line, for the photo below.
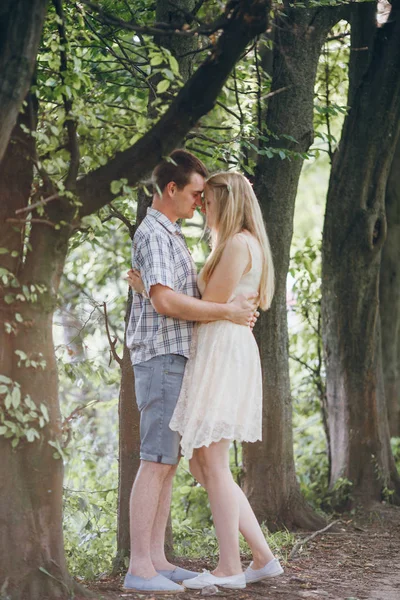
158 383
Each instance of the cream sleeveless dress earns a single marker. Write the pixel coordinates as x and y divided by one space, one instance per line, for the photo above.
221 394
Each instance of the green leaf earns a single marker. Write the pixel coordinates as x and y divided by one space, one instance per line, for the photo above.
31 434
3 389
45 412
16 397
115 187
163 86
9 298
7 401
29 403
4 251
3 429
156 60
174 65
19 318
5 379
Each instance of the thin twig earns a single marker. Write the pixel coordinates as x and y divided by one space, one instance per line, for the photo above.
90 491
70 123
110 341
300 543
116 213
228 110
26 221
40 203
270 94
159 28
259 87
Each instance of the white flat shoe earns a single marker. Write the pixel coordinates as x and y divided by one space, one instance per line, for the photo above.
271 569
234 582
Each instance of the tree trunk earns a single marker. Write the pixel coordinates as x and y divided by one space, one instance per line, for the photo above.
389 291
32 562
21 27
270 479
354 232
129 416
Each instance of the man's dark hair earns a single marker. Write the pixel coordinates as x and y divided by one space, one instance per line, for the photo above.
179 167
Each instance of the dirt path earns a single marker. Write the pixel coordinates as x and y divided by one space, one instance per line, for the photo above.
359 561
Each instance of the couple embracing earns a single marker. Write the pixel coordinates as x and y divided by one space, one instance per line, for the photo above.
197 368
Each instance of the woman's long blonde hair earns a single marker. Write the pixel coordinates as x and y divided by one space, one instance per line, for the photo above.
236 209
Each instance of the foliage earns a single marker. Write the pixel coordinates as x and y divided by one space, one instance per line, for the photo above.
20 418
90 522
395 443
200 542
107 90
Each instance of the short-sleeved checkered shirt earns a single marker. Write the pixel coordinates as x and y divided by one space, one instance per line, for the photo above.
159 251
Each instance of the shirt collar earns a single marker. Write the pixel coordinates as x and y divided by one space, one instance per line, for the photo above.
164 221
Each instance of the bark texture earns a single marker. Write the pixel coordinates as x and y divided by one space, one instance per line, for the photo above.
270 481
21 23
389 292
129 416
32 561
353 236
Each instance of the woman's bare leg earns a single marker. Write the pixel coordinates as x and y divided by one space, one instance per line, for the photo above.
248 524
214 461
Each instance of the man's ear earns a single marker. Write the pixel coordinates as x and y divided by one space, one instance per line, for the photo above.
171 188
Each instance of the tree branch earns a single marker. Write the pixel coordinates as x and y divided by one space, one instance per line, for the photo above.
110 341
70 122
245 20
36 204
21 27
159 28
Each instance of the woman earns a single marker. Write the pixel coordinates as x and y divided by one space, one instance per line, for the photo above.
221 395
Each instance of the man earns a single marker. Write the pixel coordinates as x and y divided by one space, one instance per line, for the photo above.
159 336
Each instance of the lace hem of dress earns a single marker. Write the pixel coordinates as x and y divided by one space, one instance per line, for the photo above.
217 436
199 437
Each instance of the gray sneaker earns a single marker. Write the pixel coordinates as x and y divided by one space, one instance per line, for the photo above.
155 585
272 569
178 574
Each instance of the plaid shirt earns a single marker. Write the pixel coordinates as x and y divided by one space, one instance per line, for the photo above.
159 251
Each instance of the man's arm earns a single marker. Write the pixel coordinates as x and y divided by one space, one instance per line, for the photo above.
156 264
179 306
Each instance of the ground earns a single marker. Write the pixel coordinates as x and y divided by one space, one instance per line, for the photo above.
359 560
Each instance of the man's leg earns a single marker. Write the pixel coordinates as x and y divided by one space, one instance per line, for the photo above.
158 557
157 383
146 493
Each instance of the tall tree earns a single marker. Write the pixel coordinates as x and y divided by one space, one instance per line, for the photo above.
353 236
177 16
389 297
270 482
32 561
21 26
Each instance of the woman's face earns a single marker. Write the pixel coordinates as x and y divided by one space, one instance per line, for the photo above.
209 206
